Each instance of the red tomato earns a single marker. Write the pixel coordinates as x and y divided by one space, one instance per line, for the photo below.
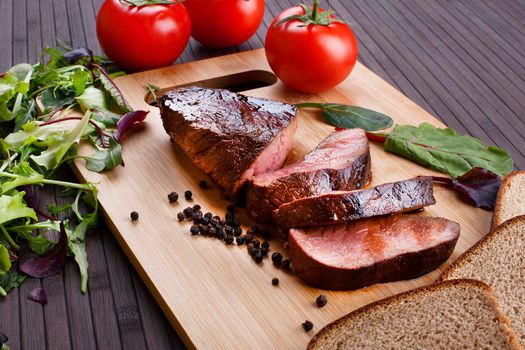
224 23
311 58
140 38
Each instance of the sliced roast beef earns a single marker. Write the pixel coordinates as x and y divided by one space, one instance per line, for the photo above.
369 251
229 136
342 206
340 162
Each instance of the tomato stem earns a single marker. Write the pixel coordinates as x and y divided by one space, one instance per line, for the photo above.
315 10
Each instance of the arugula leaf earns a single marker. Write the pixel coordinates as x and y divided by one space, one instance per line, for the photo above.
77 245
345 116
57 149
105 158
10 281
5 261
445 150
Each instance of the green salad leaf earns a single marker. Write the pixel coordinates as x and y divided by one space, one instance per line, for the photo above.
10 280
446 150
5 262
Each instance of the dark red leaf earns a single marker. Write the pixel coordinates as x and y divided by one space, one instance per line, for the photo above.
76 54
3 338
478 186
38 295
48 264
127 121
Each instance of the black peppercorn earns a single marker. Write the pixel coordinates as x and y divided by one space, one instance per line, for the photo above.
286 263
239 240
248 237
197 215
254 251
205 221
256 243
203 184
208 215
321 300
277 258
188 212
275 281
308 325
236 223
264 251
180 216
229 239
196 207
194 230
220 235
134 216
228 230
188 194
173 197
237 231
203 229
212 232
258 258
265 244
229 216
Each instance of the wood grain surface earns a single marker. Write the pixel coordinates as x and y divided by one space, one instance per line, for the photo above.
210 291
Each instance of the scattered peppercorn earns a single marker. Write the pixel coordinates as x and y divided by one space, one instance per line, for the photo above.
264 251
258 258
188 212
173 197
229 239
203 184
181 216
308 325
248 237
265 244
188 194
194 230
237 231
236 223
321 300
196 207
256 243
229 216
275 281
203 229
212 232
220 235
277 258
134 216
197 216
254 251
286 263
239 240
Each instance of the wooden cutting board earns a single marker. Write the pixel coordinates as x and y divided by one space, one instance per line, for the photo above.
215 295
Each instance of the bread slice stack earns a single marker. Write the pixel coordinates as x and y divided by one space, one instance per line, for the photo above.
459 314
478 302
511 200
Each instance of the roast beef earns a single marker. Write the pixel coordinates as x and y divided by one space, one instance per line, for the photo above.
340 162
229 136
369 251
342 206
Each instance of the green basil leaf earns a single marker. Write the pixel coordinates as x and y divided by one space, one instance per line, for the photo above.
445 150
106 158
345 116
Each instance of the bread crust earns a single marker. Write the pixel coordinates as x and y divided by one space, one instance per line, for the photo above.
489 237
498 209
333 327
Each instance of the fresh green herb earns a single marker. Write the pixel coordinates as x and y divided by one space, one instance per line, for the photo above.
445 150
36 101
345 116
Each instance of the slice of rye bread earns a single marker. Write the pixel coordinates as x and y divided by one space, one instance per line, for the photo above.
511 200
459 314
499 260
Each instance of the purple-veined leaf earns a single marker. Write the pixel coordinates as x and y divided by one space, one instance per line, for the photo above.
48 264
127 121
38 295
76 54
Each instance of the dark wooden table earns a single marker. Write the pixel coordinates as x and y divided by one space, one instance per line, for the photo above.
461 60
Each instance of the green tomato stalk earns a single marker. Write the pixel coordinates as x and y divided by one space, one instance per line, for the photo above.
312 15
